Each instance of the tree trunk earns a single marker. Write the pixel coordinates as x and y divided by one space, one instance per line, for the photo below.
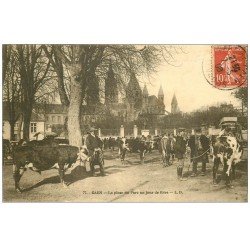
26 124
74 114
12 131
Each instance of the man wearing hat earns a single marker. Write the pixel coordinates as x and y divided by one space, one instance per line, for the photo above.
205 145
93 142
194 145
199 145
180 150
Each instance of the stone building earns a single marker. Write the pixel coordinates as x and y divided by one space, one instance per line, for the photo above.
136 102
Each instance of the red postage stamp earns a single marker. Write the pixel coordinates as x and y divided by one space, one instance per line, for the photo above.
229 66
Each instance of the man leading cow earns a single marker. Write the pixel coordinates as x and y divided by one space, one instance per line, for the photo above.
94 146
199 145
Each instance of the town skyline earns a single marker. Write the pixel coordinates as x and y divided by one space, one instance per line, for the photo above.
187 82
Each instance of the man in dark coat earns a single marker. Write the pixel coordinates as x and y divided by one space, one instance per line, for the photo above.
205 145
94 146
180 150
199 145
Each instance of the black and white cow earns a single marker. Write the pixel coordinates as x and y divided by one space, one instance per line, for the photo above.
123 147
226 151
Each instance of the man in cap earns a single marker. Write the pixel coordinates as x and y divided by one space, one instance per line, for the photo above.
180 150
199 145
94 144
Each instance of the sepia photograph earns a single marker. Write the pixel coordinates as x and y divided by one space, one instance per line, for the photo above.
124 123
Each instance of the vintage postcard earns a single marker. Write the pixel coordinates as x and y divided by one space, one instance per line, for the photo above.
125 123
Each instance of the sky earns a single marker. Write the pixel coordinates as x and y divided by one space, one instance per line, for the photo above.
187 81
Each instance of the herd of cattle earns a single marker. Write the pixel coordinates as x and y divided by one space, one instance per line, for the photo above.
52 153
225 150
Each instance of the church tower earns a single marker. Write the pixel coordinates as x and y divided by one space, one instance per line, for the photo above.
174 105
111 87
161 95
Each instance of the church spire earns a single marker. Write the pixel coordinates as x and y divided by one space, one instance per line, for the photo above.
174 100
174 105
161 94
145 91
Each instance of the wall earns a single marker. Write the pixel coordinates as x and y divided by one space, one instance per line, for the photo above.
6 130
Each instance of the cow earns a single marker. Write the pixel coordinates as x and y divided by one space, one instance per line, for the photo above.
43 157
7 149
166 149
133 144
226 151
123 147
144 147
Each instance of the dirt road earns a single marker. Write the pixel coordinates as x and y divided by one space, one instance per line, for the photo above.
131 182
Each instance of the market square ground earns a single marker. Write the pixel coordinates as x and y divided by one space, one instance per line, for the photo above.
131 182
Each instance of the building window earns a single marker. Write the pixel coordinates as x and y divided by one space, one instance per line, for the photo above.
59 119
16 125
33 127
53 118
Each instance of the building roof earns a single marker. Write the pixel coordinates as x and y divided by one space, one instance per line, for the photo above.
35 116
5 110
53 108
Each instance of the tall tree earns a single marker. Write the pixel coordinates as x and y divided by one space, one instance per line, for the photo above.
11 88
59 68
33 69
242 95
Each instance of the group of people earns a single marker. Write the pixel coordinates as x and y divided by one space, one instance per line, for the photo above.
109 143
196 146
